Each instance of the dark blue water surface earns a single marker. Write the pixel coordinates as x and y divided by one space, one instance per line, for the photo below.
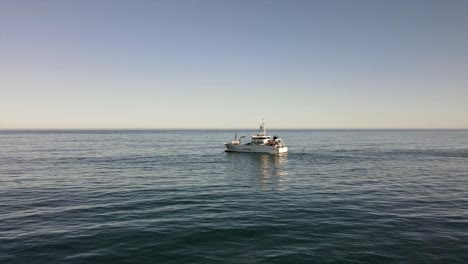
177 197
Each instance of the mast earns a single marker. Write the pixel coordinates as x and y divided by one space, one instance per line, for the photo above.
262 128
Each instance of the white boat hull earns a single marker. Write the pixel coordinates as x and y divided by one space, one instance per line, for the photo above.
261 143
255 148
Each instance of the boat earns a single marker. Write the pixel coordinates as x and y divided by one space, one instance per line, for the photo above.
261 142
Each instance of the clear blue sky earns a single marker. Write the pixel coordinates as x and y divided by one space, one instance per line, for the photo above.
227 64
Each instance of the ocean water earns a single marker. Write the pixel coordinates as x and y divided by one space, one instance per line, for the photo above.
177 197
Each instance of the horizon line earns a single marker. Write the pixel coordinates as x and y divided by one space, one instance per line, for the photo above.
148 129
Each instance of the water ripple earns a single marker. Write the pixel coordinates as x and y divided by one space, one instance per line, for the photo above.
344 197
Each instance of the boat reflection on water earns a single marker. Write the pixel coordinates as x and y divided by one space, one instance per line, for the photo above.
266 170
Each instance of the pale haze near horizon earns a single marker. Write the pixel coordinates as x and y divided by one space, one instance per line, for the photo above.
228 64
